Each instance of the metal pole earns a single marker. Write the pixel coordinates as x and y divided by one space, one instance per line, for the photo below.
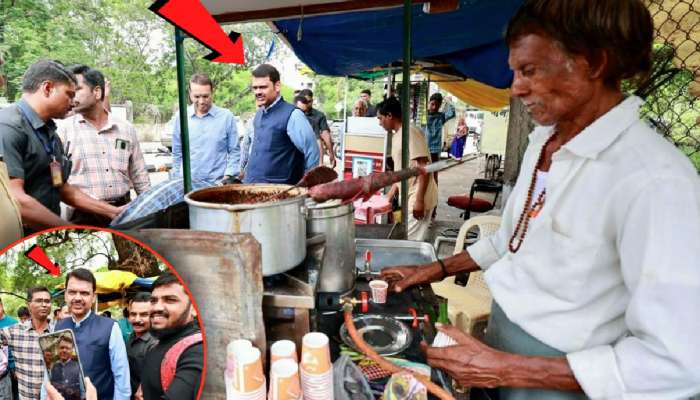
341 137
182 99
405 106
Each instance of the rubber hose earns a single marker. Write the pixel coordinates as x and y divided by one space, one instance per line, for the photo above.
386 365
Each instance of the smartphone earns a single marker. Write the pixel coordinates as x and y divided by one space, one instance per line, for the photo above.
62 361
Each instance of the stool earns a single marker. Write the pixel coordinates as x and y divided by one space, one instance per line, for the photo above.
469 203
365 211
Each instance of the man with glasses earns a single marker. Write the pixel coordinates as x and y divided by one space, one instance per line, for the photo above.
24 344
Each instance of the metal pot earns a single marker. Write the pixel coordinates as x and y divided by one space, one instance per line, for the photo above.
335 220
279 226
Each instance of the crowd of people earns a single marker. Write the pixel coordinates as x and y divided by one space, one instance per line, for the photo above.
161 356
61 143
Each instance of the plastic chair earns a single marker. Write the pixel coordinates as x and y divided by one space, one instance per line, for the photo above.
469 307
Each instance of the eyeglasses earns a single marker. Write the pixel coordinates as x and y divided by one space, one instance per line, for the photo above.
42 301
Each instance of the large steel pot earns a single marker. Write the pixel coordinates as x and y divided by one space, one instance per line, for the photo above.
335 220
279 226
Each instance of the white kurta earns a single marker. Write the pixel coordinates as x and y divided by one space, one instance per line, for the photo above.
609 271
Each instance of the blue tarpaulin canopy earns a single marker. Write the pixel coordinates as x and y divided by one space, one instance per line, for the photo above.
470 40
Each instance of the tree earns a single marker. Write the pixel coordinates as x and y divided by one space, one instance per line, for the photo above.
73 248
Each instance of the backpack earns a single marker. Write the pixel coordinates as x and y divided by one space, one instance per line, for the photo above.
168 366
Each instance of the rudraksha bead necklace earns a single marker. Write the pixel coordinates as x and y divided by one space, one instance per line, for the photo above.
529 210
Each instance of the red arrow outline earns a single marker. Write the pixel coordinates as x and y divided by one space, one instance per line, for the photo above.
52 268
198 24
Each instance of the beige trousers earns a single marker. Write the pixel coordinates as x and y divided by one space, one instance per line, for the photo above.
417 229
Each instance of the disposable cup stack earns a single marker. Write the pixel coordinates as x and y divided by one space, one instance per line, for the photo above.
232 349
284 380
316 368
245 379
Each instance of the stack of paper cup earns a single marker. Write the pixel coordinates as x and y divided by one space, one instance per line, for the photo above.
233 348
379 290
283 349
284 380
443 340
248 378
316 367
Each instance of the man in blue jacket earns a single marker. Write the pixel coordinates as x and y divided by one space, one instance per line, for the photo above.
100 345
283 144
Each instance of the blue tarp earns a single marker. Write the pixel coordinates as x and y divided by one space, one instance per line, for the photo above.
470 39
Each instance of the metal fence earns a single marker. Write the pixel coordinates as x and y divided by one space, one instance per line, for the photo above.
673 99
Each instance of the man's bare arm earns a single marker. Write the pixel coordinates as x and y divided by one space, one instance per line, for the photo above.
34 214
74 197
473 363
405 276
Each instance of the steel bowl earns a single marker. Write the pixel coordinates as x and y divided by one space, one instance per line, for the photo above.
386 335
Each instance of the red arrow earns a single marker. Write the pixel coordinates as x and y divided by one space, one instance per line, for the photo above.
37 254
194 19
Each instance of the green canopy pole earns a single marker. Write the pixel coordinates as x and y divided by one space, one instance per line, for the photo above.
405 106
182 98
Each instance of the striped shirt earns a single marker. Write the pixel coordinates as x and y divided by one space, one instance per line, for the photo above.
29 366
107 162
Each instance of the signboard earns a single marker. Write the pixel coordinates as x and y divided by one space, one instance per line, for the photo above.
364 147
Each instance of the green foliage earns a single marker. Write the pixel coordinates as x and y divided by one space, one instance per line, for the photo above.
72 248
135 50
330 91
669 106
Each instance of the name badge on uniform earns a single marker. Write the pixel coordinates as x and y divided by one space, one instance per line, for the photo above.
56 173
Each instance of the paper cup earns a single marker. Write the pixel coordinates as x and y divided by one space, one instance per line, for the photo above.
235 347
284 380
317 387
379 291
283 349
256 395
315 353
249 371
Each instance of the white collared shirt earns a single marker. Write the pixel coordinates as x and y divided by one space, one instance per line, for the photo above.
609 271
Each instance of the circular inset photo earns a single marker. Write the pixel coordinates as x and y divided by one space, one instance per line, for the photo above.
87 313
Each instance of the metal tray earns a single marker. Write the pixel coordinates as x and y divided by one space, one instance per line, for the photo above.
385 335
387 253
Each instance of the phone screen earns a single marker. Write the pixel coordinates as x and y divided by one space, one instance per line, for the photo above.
63 363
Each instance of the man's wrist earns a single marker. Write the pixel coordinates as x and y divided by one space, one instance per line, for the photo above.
537 372
436 271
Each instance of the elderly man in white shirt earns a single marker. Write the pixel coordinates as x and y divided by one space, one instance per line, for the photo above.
595 270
